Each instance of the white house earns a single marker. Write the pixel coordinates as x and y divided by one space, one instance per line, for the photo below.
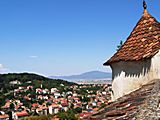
53 109
18 115
53 90
137 61
57 94
16 82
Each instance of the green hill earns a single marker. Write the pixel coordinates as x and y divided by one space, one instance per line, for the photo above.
10 82
26 79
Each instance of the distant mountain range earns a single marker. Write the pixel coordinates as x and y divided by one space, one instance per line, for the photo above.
92 75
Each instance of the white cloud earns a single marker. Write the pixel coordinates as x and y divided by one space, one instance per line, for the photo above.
33 56
3 69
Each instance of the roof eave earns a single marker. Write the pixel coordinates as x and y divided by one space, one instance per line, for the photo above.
106 63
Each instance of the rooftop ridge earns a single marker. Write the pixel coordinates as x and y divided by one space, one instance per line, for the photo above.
146 13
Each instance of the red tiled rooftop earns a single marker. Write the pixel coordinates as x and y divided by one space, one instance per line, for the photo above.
54 105
35 105
4 116
23 113
142 43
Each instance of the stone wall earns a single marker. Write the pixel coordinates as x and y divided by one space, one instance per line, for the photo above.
151 109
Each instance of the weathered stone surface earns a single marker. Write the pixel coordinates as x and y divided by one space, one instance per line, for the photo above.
142 104
150 111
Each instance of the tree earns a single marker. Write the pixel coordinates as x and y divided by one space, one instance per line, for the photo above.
120 45
78 110
12 106
48 104
69 115
41 117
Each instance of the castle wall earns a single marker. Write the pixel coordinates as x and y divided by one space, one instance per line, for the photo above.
130 75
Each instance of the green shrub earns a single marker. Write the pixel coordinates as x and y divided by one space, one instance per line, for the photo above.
69 115
41 117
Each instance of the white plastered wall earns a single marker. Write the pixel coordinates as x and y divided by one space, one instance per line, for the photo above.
130 75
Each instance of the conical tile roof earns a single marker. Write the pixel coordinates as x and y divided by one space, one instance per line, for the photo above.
142 43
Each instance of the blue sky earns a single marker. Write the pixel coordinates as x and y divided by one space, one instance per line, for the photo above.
64 37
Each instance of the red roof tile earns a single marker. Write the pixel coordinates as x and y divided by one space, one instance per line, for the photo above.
4 116
35 105
23 113
142 43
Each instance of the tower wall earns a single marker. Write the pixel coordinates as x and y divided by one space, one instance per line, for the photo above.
130 75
